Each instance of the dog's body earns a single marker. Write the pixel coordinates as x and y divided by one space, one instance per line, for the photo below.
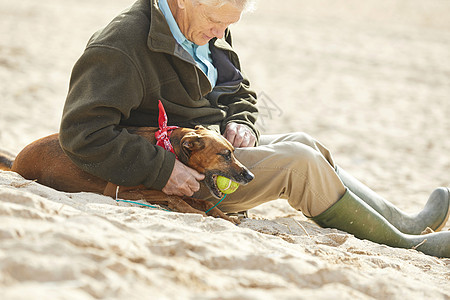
201 149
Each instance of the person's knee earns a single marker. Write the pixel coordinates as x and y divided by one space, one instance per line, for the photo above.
298 154
299 137
304 138
313 147
285 155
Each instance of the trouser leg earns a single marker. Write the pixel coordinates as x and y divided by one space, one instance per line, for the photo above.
289 166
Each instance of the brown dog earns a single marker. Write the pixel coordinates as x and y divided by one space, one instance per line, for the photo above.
203 150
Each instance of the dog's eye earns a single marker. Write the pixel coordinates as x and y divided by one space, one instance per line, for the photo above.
226 155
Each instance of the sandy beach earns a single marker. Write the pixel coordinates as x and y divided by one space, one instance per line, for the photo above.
369 79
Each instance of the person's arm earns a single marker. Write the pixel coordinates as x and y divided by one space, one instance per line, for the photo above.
239 125
105 86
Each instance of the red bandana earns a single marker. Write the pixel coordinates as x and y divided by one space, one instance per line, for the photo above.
163 134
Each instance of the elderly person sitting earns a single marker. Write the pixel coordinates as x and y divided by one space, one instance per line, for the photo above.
180 52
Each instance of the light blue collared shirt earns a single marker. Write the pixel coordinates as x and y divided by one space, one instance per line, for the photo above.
201 54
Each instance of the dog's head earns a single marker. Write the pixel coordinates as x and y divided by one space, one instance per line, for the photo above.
211 154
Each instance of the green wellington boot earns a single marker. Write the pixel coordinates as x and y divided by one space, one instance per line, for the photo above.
354 216
434 215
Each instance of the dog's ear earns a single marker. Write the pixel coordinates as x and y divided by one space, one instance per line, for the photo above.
192 142
200 127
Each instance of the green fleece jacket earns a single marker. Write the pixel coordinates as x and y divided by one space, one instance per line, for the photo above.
125 69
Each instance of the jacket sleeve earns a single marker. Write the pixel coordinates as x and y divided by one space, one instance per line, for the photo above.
241 108
241 104
105 86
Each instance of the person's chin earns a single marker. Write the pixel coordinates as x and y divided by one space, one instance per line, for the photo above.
203 40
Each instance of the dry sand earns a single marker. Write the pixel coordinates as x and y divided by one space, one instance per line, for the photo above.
370 79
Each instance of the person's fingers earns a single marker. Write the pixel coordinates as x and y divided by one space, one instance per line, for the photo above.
245 140
230 132
192 184
239 138
193 180
239 135
183 181
251 140
198 176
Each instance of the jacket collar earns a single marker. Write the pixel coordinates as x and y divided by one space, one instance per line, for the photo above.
222 44
160 38
170 19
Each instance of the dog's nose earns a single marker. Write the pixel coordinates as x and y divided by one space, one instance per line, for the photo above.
247 176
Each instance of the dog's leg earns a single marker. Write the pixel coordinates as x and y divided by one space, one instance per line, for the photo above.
151 196
183 205
204 205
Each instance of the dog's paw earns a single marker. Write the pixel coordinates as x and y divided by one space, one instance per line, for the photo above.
235 220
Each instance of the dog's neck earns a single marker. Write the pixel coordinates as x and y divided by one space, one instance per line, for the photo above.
175 140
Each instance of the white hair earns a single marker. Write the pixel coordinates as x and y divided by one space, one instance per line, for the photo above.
245 5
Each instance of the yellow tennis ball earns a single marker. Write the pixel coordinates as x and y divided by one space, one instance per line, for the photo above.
226 185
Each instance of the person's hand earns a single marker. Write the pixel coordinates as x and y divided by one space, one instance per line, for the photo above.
239 135
183 181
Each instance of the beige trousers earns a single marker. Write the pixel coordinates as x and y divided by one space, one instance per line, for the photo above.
291 166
